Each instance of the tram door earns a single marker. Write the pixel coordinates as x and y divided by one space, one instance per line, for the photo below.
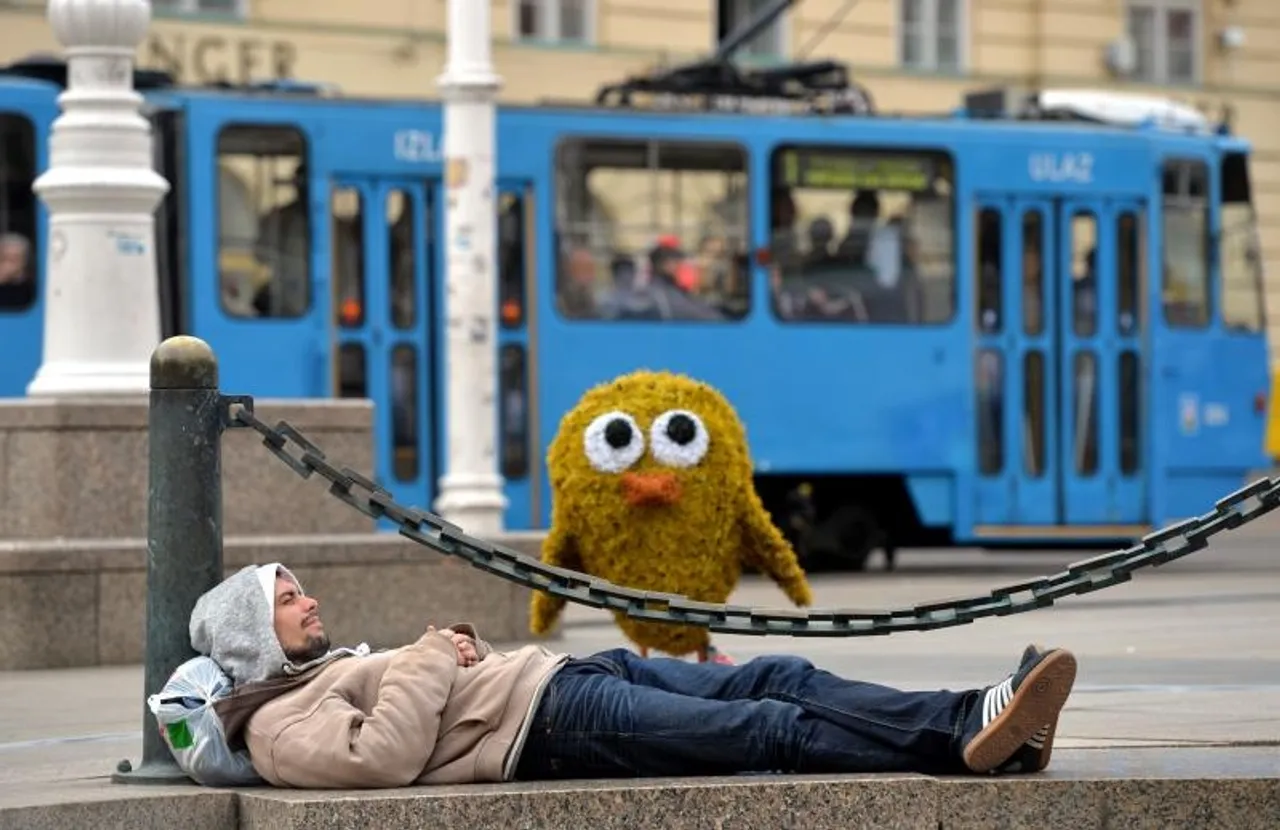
519 449
1058 373
383 252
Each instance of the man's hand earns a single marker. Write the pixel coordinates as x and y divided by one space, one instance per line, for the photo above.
464 645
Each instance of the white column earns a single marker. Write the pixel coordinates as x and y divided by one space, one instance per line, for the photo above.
471 489
102 313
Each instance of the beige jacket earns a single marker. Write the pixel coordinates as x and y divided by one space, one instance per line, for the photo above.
401 717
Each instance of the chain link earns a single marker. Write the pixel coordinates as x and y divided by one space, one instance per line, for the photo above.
431 531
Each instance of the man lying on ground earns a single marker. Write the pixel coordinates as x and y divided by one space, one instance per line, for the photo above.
449 709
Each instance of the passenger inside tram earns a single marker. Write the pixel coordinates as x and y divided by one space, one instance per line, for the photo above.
18 262
17 271
664 285
284 246
870 276
652 230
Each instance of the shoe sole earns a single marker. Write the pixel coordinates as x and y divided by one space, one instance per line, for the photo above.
1038 701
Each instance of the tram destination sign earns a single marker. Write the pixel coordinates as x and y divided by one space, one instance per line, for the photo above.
843 102
855 169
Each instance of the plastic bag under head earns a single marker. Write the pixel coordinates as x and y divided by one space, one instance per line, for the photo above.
192 729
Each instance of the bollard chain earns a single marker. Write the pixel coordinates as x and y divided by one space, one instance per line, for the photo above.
433 532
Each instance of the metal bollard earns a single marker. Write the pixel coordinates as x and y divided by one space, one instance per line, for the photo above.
184 525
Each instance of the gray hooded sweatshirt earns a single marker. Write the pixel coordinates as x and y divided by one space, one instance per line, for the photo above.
234 623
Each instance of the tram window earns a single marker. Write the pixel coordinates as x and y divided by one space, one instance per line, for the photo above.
18 262
1185 278
1033 272
990 413
1240 254
1128 258
403 270
1130 424
347 217
1033 434
404 412
1084 414
512 259
990 269
862 236
353 375
514 394
652 230
1084 274
264 228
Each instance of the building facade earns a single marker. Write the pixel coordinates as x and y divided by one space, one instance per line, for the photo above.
913 55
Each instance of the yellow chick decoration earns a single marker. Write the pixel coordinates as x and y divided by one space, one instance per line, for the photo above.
651 489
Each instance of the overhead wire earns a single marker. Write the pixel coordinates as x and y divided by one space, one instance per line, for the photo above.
827 27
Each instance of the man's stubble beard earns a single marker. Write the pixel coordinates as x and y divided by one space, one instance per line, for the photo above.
316 647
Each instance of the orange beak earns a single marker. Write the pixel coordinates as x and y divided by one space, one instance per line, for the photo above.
641 489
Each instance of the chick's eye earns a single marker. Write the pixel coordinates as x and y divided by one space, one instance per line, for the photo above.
613 442
679 438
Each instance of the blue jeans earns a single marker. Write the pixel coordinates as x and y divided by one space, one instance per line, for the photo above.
616 714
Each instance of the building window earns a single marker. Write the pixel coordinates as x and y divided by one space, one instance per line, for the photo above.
731 14
929 32
562 21
1166 34
229 8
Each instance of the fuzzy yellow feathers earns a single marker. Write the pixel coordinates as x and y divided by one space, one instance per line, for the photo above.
651 489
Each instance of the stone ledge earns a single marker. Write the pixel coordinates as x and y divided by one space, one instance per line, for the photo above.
18 414
79 469
741 803
97 555
104 806
378 588
1236 788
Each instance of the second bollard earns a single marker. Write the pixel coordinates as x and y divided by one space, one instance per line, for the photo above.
184 525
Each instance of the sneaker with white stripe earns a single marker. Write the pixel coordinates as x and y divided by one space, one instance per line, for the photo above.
1011 727
1033 756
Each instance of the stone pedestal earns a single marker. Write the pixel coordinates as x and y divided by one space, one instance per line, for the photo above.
77 469
69 604
73 526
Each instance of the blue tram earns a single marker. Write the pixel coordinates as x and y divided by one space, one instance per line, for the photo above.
982 327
